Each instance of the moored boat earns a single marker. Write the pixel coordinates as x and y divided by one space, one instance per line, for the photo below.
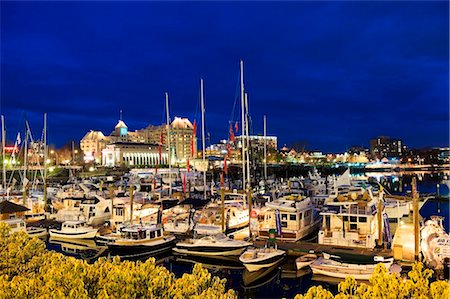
305 260
217 245
140 240
336 266
74 230
255 259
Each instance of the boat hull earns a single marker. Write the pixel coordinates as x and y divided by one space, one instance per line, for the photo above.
251 267
209 251
342 270
135 250
73 235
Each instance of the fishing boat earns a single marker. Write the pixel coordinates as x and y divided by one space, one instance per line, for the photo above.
74 230
296 215
255 259
217 245
139 240
305 260
341 266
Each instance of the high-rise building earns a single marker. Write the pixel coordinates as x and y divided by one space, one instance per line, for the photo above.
384 146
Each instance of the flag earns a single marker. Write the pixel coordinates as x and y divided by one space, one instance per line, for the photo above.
194 133
278 222
184 183
236 127
159 146
222 180
192 146
188 166
225 167
231 133
228 149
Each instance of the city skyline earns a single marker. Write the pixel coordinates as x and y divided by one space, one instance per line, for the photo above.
331 74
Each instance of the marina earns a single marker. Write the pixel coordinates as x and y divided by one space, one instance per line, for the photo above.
253 269
211 149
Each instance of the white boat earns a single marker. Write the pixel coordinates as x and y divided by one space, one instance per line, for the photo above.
95 211
335 266
305 260
218 245
209 222
350 220
435 242
298 218
74 230
139 240
255 259
18 224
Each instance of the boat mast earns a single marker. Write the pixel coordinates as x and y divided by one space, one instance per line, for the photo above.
202 102
265 148
168 144
3 153
25 166
242 125
247 142
45 162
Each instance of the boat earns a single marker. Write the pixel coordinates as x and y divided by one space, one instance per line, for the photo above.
212 263
216 245
340 267
297 217
210 221
350 220
305 260
74 230
435 242
140 240
255 259
18 224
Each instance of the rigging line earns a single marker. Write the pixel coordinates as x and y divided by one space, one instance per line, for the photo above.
236 96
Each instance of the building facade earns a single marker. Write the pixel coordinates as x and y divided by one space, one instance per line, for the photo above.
92 145
132 154
386 147
182 137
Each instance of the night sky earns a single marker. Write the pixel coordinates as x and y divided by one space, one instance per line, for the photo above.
333 74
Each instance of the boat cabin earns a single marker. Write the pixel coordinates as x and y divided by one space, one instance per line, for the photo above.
139 232
349 223
73 225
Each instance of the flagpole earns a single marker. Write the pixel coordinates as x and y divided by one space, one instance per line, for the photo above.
3 152
202 102
25 165
265 148
242 125
45 161
247 143
168 144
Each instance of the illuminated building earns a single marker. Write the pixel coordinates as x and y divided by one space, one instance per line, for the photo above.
386 147
132 154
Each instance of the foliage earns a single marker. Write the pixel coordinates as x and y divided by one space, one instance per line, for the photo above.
28 270
387 285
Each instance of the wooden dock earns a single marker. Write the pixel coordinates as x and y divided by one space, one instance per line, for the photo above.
301 248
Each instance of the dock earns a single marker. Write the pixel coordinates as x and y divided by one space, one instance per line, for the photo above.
301 248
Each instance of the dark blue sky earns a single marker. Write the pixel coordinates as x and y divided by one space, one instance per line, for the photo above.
334 74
